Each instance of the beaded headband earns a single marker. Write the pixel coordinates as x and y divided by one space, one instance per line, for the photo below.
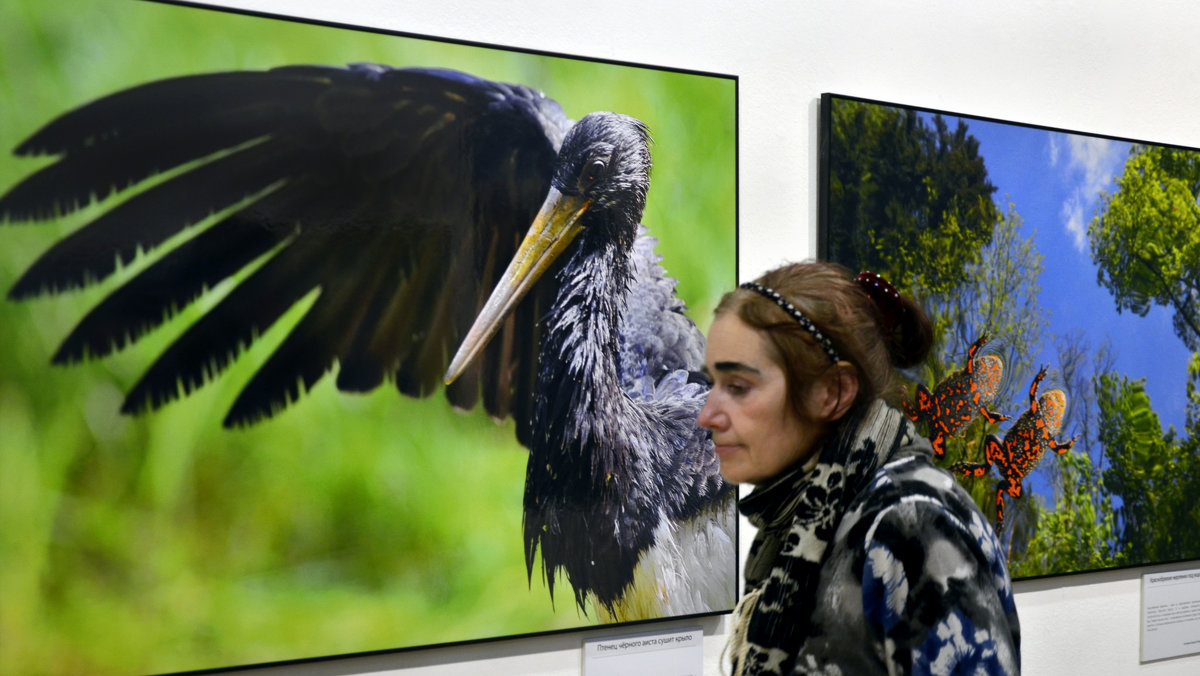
804 321
886 298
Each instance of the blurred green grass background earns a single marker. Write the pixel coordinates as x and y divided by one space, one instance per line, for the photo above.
346 524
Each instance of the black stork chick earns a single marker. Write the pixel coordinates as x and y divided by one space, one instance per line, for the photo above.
395 197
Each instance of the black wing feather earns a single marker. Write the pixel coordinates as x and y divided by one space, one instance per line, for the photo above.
218 101
147 219
95 172
170 283
121 139
397 195
310 349
215 340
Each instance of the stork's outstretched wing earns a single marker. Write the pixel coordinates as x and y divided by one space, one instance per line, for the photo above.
397 196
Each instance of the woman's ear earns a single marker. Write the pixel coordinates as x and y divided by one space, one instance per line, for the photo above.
841 388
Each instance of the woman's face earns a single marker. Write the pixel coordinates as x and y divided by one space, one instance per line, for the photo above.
756 432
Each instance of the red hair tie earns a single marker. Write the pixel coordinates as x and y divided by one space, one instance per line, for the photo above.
886 298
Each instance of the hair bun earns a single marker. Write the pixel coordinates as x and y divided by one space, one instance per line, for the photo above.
886 298
906 330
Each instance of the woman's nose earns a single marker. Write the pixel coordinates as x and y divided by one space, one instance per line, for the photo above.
708 413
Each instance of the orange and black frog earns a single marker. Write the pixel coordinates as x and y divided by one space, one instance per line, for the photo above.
962 395
1023 446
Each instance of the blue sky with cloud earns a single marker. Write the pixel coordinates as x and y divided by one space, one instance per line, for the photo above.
1091 162
1056 180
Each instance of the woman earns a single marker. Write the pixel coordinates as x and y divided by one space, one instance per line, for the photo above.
868 558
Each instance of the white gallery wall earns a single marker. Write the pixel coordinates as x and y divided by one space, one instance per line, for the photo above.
1101 66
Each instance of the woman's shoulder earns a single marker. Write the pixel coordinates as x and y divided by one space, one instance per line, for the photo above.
916 510
911 484
930 571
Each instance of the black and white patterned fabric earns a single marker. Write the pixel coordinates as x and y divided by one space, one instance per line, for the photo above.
873 561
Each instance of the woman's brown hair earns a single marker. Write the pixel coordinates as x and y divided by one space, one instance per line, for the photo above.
874 334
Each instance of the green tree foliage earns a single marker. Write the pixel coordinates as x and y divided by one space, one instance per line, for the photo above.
907 200
1079 533
1155 476
911 199
999 295
1146 238
1144 506
1145 241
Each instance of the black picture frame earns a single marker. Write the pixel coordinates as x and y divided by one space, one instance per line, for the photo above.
164 543
1020 232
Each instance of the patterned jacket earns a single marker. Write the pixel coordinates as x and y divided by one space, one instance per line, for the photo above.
914 582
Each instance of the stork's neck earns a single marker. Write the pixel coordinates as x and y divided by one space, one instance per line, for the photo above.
586 473
578 367
581 414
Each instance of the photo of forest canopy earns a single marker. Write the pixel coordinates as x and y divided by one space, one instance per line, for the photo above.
1062 273
209 155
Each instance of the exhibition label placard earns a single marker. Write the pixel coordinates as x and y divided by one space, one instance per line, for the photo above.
1170 614
678 653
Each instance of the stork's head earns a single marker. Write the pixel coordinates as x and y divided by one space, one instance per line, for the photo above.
603 171
598 189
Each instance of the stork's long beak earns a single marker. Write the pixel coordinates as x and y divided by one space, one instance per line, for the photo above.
556 225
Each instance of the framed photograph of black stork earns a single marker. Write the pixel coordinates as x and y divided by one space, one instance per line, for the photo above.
321 340
1060 269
